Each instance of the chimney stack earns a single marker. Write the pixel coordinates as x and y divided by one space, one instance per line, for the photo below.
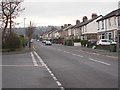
77 21
62 27
85 18
94 15
69 24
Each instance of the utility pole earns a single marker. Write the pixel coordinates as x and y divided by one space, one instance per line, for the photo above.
24 27
30 38
10 18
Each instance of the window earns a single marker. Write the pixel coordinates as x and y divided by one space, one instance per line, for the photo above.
98 26
115 20
85 28
103 36
109 21
118 20
102 24
110 36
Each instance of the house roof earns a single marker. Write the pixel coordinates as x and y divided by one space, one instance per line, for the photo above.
68 27
86 22
111 14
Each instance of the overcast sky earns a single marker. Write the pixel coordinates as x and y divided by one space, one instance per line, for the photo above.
44 13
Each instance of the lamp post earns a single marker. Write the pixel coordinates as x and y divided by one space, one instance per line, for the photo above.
25 43
24 27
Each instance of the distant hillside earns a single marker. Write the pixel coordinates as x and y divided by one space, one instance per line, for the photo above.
38 31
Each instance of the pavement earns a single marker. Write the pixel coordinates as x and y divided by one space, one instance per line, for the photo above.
23 70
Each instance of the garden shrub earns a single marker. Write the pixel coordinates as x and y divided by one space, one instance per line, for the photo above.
13 41
84 42
76 40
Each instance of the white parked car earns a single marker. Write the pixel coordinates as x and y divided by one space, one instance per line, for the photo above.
43 41
48 43
38 40
104 42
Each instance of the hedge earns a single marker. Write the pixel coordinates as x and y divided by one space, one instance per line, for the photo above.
76 40
13 41
68 42
84 42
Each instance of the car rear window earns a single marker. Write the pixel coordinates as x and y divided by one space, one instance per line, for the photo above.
106 41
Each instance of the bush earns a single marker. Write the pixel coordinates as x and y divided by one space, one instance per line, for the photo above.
13 42
76 40
55 41
22 40
84 42
68 42
104 47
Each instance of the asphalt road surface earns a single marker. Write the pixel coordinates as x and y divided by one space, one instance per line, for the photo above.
59 66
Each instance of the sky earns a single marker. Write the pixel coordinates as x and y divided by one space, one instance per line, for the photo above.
60 12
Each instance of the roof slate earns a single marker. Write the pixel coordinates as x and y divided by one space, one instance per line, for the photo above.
85 23
111 14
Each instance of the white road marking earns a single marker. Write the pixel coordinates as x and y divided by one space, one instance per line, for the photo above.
41 61
99 61
16 65
55 78
66 52
59 84
62 88
50 72
74 54
33 59
79 56
59 49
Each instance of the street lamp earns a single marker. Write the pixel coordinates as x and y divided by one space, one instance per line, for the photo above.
24 27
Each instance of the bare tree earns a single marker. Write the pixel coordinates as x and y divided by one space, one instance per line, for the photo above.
9 10
29 32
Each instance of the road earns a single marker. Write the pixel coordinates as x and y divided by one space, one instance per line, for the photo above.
59 66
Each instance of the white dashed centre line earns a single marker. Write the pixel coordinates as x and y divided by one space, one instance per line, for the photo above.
59 49
66 52
79 56
99 61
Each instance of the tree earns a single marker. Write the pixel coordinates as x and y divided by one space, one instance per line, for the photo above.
9 10
29 32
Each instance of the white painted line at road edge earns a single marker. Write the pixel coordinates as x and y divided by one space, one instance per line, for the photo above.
50 72
41 61
59 84
99 61
34 61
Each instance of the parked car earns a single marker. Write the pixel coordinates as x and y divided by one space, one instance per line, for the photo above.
38 40
43 41
92 43
104 42
48 43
